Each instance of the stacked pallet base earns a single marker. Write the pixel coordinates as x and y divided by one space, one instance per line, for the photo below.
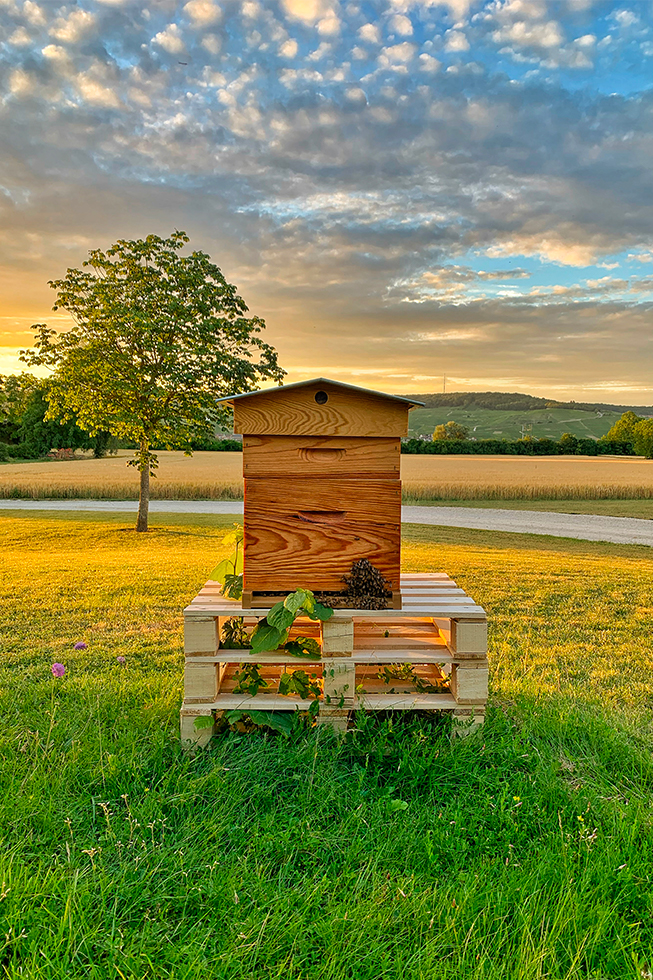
430 655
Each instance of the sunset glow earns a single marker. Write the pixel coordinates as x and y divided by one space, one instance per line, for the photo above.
403 190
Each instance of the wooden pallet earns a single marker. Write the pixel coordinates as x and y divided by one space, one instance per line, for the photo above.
440 630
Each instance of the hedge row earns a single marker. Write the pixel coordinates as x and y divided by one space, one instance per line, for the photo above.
571 446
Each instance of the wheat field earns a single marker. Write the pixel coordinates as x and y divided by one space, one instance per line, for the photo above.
218 476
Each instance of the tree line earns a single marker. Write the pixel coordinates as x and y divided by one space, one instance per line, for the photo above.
513 401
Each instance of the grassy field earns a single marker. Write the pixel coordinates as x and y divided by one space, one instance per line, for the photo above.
523 852
218 476
485 423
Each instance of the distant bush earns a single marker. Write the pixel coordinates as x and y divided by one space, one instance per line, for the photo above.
568 445
218 446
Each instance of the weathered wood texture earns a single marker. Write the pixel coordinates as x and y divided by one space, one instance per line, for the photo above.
310 536
294 412
326 456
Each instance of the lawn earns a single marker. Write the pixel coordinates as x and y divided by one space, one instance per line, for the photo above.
522 852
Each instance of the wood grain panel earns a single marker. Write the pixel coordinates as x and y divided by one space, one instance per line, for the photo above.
335 456
309 534
295 412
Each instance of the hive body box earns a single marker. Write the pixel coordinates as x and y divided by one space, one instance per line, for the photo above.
321 462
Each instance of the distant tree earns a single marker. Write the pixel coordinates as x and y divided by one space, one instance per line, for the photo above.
624 428
450 430
643 438
39 431
157 339
15 392
568 443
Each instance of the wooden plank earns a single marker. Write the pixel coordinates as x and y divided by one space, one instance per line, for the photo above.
201 681
261 702
311 536
193 738
373 655
468 637
201 635
339 681
337 637
325 456
295 412
406 702
469 683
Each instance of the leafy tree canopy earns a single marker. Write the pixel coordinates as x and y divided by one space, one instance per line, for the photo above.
157 338
450 430
624 428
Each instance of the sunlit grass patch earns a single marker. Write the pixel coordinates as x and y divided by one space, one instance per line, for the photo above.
522 852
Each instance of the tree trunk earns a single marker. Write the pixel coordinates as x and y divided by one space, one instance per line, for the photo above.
144 498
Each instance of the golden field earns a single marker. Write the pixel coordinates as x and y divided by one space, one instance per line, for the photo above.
218 476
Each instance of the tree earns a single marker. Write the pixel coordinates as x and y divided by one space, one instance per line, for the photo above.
643 438
157 338
451 430
624 428
15 393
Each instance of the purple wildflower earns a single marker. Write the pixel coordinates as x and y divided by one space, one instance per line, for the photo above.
121 660
81 646
58 670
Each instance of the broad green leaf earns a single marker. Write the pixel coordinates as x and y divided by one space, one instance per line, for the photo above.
295 600
204 721
280 617
233 586
322 612
279 721
303 646
221 569
265 638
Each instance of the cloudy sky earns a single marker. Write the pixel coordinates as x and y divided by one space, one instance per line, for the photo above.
404 189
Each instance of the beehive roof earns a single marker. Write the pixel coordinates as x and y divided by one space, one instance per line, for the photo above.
370 392
320 407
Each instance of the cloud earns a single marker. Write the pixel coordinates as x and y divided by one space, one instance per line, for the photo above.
456 41
203 13
397 54
74 27
289 48
400 24
370 32
170 39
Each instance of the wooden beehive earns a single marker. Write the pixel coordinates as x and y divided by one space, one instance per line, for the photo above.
321 462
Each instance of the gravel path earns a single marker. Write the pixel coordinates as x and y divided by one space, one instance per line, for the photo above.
588 527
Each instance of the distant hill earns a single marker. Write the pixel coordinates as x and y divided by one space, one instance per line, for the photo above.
511 415
517 402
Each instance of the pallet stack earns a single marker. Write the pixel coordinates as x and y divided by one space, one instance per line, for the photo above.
439 630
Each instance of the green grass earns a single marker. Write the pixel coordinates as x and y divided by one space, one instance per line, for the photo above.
485 423
523 852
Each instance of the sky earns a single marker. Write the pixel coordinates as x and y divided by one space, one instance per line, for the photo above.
407 191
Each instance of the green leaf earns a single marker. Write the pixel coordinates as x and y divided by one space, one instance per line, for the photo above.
309 602
295 600
233 586
280 617
303 646
321 612
223 568
265 638
396 805
204 721
279 721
